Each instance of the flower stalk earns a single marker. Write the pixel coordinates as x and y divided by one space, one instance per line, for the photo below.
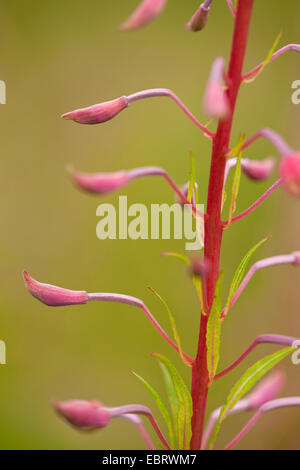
186 414
213 223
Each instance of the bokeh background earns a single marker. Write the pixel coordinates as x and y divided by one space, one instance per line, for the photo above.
57 56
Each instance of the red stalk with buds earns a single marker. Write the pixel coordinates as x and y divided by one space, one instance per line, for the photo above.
219 103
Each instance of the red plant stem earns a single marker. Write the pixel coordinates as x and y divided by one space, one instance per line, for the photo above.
213 223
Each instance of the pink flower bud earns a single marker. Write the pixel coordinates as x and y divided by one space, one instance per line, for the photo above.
290 173
268 389
98 113
297 258
147 11
199 19
258 170
100 183
83 414
215 101
52 295
199 267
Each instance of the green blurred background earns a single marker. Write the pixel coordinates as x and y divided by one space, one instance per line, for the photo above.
60 55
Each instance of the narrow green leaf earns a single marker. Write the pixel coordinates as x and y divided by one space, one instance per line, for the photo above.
267 59
192 189
174 404
236 149
224 197
173 325
246 382
197 281
239 273
179 256
183 401
235 187
213 334
162 408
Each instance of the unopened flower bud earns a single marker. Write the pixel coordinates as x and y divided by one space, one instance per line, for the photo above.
199 19
86 415
53 295
290 173
98 113
100 183
267 390
258 170
215 101
147 11
297 258
199 267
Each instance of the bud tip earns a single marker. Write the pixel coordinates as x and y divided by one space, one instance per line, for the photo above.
52 295
85 415
290 173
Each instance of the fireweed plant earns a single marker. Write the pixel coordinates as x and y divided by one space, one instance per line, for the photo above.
185 416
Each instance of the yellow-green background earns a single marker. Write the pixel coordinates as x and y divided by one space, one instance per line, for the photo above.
59 55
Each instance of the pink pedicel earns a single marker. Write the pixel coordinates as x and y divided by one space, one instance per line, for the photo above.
215 100
52 295
100 183
258 170
85 415
98 113
146 12
290 173
268 389
199 19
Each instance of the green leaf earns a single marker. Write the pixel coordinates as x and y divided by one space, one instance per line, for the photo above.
179 256
197 281
192 189
173 325
236 149
224 197
162 408
180 400
246 382
267 59
235 187
174 404
239 273
213 334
